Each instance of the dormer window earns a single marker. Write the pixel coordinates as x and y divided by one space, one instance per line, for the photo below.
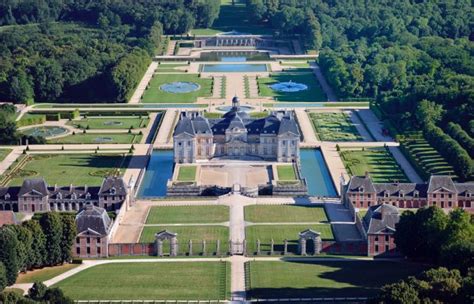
74 196
361 189
416 193
385 193
88 195
401 194
468 194
59 196
113 191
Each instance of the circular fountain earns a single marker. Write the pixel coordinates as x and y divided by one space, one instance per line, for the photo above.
288 87
180 87
45 131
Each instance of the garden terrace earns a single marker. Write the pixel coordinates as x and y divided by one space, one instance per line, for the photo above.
187 214
4 153
154 94
171 67
299 279
286 173
314 92
98 138
150 281
378 162
424 157
187 173
66 169
280 233
334 127
110 122
285 213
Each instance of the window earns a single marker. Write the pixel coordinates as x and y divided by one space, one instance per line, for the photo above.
387 248
98 250
387 238
78 240
78 250
434 195
442 195
376 248
88 240
98 240
450 195
88 250
376 238
369 195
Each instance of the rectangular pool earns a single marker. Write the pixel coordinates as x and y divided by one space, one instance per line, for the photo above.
158 172
233 68
316 172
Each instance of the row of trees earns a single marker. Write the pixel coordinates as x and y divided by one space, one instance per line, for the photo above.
36 243
465 140
8 128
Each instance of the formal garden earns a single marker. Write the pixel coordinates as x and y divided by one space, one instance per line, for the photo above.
4 153
98 138
285 214
377 162
66 169
150 281
310 90
335 126
300 279
187 214
174 90
110 122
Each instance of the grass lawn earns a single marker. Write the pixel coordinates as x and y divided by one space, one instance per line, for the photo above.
380 164
4 153
41 275
286 172
116 122
334 127
324 279
171 67
187 173
186 233
299 65
187 214
98 138
313 93
155 95
284 214
66 169
150 281
265 233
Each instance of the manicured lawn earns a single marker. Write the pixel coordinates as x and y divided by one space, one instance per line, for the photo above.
187 214
41 275
171 67
334 127
116 122
324 279
380 164
286 172
313 93
66 169
265 233
284 214
98 138
186 233
300 65
4 153
187 173
150 281
155 95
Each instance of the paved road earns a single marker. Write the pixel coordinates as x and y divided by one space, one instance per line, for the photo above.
331 95
143 83
164 136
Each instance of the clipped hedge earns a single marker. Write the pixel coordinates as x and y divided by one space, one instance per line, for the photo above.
31 120
461 136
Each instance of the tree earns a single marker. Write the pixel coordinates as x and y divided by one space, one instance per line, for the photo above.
49 81
9 253
3 277
56 296
38 244
398 293
37 291
52 227
312 27
68 236
21 89
24 249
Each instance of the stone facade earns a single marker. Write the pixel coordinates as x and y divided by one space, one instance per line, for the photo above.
93 227
440 191
275 137
36 196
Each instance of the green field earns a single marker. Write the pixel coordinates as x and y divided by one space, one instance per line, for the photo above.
313 93
187 214
41 275
324 279
187 173
98 138
265 233
150 281
171 67
186 233
116 122
66 169
378 162
155 95
424 158
334 127
4 153
298 65
286 172
284 214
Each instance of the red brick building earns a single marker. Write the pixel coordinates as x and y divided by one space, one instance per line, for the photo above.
440 191
379 224
93 232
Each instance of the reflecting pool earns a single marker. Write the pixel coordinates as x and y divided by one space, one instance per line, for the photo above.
233 68
159 171
180 87
316 172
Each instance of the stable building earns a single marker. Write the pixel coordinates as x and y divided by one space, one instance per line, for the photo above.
379 224
275 137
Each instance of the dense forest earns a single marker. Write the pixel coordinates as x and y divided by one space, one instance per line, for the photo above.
87 51
410 57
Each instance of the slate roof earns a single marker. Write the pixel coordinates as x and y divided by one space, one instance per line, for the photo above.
465 188
361 184
401 189
35 185
13 191
69 192
381 219
439 181
112 183
93 218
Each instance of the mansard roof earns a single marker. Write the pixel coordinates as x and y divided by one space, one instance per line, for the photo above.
381 219
113 185
11 191
34 186
71 191
92 218
361 184
465 188
401 189
440 182
288 125
184 126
